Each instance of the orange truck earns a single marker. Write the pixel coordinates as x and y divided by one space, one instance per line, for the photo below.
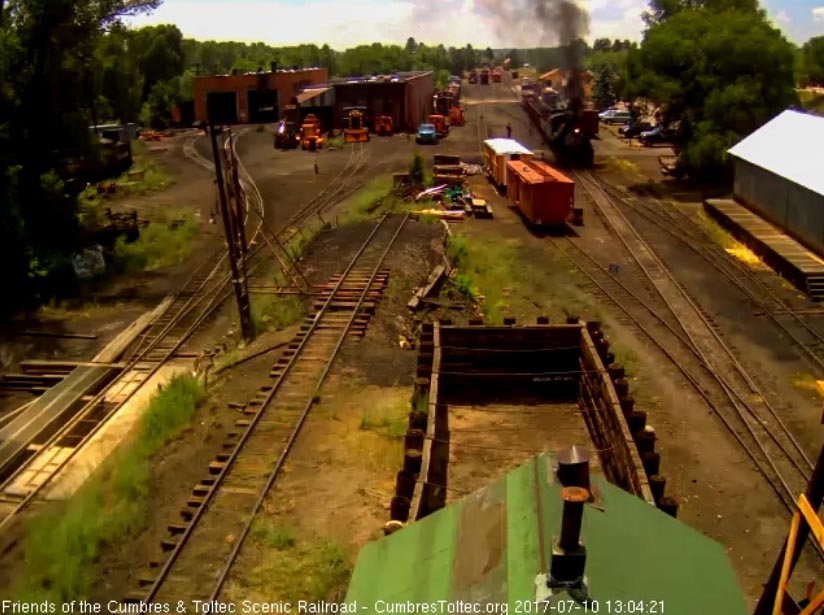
441 124
497 74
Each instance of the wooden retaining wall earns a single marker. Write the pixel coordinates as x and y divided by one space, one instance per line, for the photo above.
575 361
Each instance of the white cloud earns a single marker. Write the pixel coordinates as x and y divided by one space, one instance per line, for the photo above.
818 13
782 18
281 22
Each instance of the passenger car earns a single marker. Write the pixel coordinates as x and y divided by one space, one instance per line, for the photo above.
632 131
614 116
656 135
427 133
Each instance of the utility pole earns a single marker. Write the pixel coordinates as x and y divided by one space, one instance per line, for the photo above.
235 259
815 494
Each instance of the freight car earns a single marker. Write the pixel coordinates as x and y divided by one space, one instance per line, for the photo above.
497 152
542 194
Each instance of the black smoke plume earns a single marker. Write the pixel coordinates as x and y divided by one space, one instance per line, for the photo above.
539 23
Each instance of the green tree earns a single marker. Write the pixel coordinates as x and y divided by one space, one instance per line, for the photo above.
417 170
515 60
721 75
603 93
812 60
661 10
489 55
411 45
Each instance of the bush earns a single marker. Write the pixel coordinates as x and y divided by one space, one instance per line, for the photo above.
417 170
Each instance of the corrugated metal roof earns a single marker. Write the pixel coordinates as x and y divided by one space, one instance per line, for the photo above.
309 94
506 146
491 546
789 145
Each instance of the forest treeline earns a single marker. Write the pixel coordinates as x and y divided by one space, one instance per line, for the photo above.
718 66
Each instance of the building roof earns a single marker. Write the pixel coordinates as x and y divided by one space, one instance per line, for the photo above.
537 172
789 145
491 547
401 77
310 93
506 146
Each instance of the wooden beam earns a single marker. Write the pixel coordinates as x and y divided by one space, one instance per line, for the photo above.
811 517
816 603
815 495
786 566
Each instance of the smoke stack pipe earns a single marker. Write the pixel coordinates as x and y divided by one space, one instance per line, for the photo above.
273 67
573 514
573 467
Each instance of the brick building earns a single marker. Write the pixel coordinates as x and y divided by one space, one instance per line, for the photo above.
252 97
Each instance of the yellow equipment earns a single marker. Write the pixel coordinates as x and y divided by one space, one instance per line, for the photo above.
310 135
356 130
383 125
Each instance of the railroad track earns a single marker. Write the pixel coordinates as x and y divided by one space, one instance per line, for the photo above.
201 295
720 379
685 230
199 552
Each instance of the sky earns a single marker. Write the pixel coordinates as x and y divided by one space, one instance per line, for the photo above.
346 23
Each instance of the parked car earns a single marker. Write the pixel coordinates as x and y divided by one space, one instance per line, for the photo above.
427 133
654 136
614 116
632 131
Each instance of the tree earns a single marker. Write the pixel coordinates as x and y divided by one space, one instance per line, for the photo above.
603 93
812 60
489 54
417 170
602 44
661 10
411 45
515 60
721 75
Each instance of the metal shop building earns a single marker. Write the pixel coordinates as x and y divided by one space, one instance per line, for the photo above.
405 97
252 97
778 175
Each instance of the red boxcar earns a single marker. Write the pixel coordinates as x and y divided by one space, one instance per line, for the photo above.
542 194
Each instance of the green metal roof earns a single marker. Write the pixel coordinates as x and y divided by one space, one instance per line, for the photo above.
487 548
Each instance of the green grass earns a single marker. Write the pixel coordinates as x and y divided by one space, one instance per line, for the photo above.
811 101
161 244
627 359
390 422
502 276
276 312
63 542
306 569
804 381
362 204
267 533
421 404
336 142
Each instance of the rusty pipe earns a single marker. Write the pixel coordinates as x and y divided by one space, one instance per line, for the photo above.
573 514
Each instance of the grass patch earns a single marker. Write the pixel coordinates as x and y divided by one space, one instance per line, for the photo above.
338 142
389 422
362 203
458 250
63 542
276 312
627 359
306 569
161 244
267 533
466 286
804 381
731 246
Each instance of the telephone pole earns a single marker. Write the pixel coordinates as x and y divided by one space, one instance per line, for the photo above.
235 256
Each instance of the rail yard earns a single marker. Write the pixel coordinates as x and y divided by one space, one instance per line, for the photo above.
587 313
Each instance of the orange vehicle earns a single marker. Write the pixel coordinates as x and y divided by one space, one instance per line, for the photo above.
383 125
456 117
310 135
356 129
441 124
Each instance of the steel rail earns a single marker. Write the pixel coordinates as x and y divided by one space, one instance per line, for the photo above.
709 250
728 390
135 360
305 412
742 372
218 479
